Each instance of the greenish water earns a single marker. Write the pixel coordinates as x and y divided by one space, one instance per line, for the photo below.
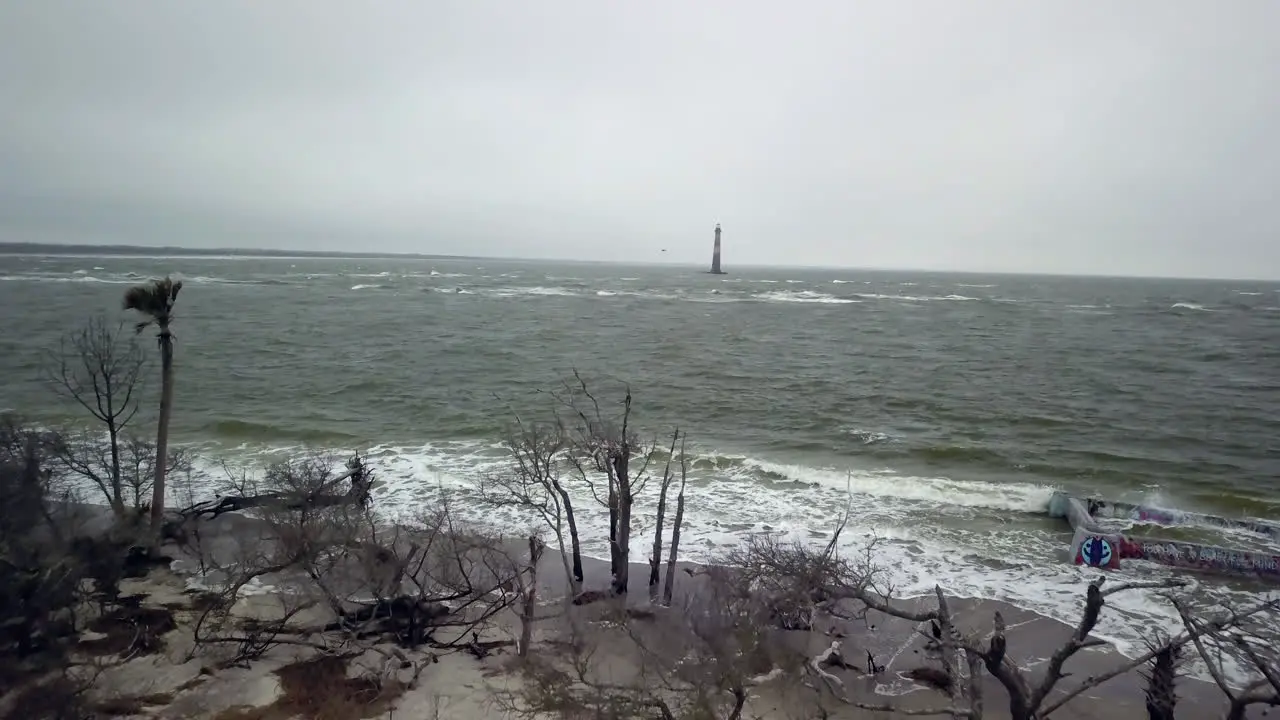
947 407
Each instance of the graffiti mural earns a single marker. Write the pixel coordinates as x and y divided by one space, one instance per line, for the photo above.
1095 547
1097 551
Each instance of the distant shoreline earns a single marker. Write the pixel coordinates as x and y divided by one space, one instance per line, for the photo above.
161 251
175 251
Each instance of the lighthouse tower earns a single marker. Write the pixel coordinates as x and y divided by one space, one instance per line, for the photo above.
715 254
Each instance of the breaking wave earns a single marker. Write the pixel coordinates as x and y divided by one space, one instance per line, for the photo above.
803 296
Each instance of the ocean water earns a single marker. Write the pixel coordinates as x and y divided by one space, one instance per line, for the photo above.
943 410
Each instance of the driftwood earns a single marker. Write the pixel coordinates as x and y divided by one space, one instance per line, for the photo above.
322 497
410 620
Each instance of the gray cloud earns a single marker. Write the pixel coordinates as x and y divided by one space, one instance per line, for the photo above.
1125 138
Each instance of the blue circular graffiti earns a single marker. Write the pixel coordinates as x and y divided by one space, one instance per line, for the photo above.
1096 552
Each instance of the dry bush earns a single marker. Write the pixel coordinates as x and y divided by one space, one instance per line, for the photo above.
60 567
698 661
343 577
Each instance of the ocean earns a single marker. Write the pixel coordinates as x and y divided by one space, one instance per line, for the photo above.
942 409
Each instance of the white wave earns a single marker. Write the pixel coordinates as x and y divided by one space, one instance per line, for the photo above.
605 293
81 272
794 282
803 296
840 282
208 280
935 491
1189 306
368 287
536 290
966 285
628 279
382 274
63 279
437 273
869 437
550 291
1249 293
915 298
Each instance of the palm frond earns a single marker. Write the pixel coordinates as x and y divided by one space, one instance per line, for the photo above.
155 298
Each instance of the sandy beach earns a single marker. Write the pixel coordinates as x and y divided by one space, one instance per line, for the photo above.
178 681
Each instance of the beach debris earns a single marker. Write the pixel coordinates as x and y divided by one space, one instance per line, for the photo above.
931 676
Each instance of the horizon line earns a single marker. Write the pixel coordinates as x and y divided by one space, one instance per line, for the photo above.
164 251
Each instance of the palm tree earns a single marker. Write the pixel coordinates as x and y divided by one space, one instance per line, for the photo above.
155 302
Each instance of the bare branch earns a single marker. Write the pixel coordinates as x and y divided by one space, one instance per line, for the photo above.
1206 627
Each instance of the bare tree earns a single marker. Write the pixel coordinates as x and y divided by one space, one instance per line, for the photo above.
155 301
534 482
1251 642
675 529
100 367
606 445
655 559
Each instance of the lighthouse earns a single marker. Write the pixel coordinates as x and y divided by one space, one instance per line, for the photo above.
715 254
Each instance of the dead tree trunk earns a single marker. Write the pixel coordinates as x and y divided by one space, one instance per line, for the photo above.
655 560
605 447
622 543
675 530
624 497
613 530
530 596
575 545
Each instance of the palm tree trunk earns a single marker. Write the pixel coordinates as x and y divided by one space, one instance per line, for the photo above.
162 430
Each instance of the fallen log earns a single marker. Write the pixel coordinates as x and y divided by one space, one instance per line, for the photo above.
409 619
321 497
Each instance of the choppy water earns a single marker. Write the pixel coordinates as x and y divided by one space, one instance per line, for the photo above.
949 406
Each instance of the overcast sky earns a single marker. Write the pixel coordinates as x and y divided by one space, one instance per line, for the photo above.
1129 137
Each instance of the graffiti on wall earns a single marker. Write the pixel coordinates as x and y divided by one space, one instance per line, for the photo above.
1209 557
